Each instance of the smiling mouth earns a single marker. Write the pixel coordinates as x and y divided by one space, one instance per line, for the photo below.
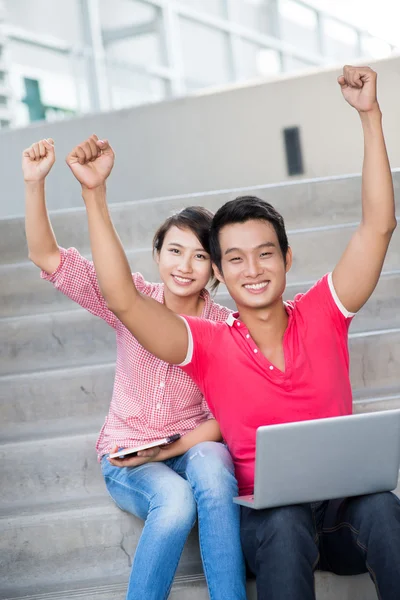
255 288
182 280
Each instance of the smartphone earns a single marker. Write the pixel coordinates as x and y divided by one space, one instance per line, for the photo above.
124 452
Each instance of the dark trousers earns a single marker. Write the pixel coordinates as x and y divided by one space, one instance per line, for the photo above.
284 546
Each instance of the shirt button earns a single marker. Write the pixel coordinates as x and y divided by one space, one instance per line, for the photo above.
158 405
238 323
162 384
271 367
247 335
255 350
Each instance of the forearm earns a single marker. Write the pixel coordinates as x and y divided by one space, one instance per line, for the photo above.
144 317
42 243
208 431
112 267
378 208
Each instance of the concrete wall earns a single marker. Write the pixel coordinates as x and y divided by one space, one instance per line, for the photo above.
232 138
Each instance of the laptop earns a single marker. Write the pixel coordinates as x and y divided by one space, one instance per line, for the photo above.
324 459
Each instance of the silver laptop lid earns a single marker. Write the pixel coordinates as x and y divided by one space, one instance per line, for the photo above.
325 459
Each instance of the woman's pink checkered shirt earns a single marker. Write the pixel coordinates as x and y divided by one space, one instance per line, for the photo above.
151 399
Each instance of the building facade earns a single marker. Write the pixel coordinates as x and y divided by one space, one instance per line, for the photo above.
60 59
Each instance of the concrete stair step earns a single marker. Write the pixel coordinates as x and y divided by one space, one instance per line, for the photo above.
94 338
73 338
184 588
50 470
76 400
46 404
65 469
55 340
316 251
374 359
50 403
55 548
302 203
380 400
327 587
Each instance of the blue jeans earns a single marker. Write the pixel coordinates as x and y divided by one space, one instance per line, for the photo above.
283 546
169 496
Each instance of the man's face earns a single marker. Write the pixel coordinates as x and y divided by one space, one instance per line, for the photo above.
253 267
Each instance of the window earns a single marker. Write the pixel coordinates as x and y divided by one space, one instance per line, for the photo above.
256 61
205 54
212 7
33 100
299 26
259 15
340 41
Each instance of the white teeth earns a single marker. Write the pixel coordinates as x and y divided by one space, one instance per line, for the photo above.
182 279
256 286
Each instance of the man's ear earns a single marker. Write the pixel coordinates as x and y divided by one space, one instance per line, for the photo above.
289 260
218 273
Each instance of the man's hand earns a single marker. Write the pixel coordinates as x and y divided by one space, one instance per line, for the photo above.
37 160
358 85
144 456
91 162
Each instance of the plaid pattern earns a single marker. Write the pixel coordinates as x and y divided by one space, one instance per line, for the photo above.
151 398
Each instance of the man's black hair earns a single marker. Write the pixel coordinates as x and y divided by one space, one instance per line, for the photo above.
240 210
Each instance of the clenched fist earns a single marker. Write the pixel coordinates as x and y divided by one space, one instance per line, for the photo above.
37 160
91 162
358 86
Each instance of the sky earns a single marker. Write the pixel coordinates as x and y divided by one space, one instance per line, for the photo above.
379 17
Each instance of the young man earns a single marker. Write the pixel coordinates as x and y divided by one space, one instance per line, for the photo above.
272 362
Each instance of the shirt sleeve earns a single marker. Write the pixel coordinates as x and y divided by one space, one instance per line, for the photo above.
201 334
206 410
76 278
322 300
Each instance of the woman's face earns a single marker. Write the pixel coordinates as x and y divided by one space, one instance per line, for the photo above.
184 265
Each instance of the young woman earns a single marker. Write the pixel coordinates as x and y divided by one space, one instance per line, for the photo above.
192 478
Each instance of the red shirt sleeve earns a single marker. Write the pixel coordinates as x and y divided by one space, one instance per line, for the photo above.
202 336
321 302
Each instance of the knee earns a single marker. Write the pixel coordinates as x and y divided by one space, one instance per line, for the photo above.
174 506
211 470
382 509
287 527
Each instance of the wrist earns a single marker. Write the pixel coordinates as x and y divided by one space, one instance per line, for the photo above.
101 187
164 454
34 183
95 194
374 113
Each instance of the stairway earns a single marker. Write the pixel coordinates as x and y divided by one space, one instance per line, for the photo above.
61 537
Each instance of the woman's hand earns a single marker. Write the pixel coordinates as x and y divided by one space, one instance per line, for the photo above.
37 161
144 456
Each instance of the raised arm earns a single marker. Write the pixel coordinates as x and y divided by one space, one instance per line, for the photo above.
159 330
37 162
357 273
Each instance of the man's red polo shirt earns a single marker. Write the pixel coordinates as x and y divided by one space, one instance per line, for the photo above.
244 390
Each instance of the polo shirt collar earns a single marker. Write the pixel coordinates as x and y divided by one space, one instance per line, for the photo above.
232 318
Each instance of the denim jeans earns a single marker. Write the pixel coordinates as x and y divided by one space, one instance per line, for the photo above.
283 546
169 496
